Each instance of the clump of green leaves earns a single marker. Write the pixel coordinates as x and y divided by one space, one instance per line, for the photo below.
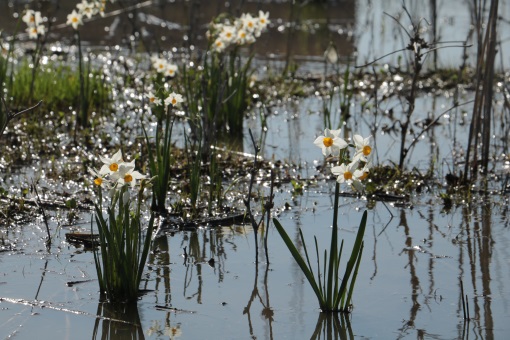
333 292
124 245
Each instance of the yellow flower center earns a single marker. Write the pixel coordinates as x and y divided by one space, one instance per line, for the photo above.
32 19
363 176
174 101
328 141
152 99
75 19
114 167
128 178
242 35
250 24
347 175
262 21
98 181
229 34
367 150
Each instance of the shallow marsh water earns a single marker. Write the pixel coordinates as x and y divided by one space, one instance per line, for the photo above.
409 280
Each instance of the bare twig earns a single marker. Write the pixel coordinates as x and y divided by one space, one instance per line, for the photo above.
247 201
384 56
426 128
8 116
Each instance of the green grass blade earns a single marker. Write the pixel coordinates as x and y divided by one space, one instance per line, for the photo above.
345 305
299 259
354 254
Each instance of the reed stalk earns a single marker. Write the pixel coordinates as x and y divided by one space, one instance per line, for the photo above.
480 127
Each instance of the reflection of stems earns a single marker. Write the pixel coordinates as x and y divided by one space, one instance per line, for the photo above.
160 258
42 279
267 312
415 281
194 252
254 293
479 137
45 218
119 321
333 327
465 302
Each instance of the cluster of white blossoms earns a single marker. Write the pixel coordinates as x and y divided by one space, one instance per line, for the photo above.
173 99
355 171
34 21
163 66
116 172
243 30
86 9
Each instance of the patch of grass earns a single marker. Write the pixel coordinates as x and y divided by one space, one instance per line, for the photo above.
58 85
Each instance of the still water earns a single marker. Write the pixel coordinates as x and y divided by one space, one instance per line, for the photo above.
416 252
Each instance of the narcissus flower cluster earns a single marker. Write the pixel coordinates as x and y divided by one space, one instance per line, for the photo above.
164 67
350 171
34 22
116 172
173 99
239 31
86 9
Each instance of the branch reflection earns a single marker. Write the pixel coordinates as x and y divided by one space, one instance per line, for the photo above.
267 312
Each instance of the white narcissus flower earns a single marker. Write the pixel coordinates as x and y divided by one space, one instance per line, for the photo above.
111 165
242 36
159 64
41 29
330 143
98 178
263 19
74 19
127 175
227 34
174 99
362 174
345 172
34 21
153 99
32 32
171 70
219 45
86 8
32 18
249 23
29 18
262 23
363 148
